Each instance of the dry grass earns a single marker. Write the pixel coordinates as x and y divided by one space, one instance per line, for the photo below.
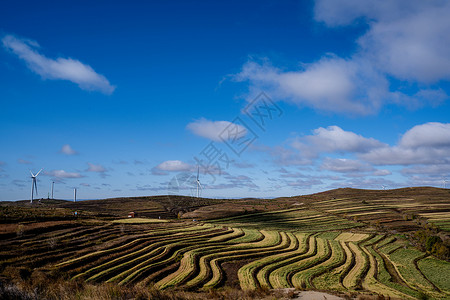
139 221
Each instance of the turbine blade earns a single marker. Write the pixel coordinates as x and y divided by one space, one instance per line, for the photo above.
38 172
31 174
198 171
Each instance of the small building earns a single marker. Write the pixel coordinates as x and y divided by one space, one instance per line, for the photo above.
132 214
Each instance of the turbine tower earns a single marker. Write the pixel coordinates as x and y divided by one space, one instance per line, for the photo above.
34 184
74 194
199 186
53 185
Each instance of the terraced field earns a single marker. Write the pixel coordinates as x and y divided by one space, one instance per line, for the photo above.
299 218
315 247
191 256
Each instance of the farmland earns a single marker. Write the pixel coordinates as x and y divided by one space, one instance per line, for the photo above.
345 242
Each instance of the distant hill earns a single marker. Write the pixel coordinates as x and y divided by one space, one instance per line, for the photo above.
399 209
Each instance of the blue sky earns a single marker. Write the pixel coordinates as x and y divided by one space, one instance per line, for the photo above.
129 98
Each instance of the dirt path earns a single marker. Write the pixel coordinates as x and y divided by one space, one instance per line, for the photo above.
308 295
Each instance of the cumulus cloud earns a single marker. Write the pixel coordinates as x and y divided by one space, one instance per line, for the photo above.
214 130
173 166
427 143
63 174
59 68
331 84
66 149
406 40
431 134
96 168
334 139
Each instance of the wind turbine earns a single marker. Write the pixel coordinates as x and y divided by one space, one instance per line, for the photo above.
34 184
444 182
74 194
384 187
199 186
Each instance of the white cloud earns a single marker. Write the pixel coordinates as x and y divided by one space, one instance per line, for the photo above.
405 40
331 84
213 130
63 174
431 134
66 149
173 166
427 143
334 139
343 165
96 168
59 68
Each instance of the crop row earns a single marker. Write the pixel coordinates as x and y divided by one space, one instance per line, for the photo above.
195 256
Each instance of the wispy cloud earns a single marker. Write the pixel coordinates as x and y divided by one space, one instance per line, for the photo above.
59 68
18 183
95 168
67 149
24 162
344 165
63 174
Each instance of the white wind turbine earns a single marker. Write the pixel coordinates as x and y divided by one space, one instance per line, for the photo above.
34 183
384 187
199 186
